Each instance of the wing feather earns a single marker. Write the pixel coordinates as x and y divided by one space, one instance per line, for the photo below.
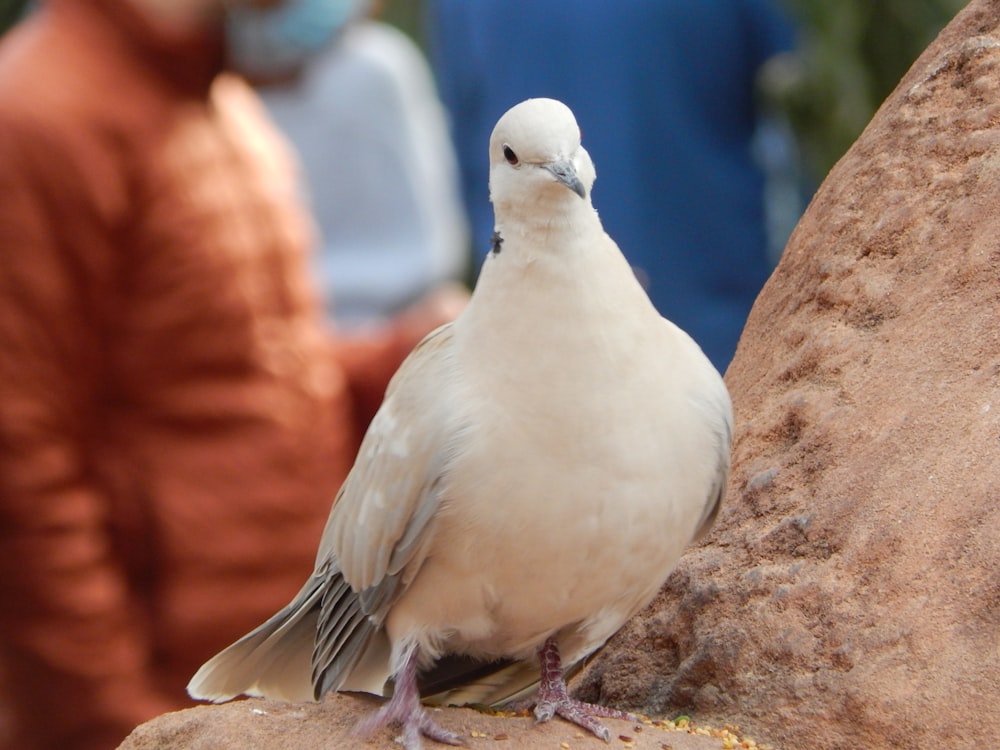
343 635
376 538
388 500
719 411
329 637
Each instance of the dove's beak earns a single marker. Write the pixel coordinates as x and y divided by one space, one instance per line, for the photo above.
565 172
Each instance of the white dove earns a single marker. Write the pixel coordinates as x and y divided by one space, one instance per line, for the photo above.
532 477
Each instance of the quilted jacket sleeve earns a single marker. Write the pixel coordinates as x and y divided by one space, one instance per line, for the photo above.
71 637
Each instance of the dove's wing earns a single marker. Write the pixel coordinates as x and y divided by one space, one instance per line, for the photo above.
378 532
718 489
391 494
709 396
719 415
374 541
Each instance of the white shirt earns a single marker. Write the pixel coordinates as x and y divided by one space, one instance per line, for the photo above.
380 170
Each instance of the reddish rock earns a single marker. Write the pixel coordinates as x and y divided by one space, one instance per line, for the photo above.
271 725
850 594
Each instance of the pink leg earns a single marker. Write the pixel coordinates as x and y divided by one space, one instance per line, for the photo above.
404 708
553 698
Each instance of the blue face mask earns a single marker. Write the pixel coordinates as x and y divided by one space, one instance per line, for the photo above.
268 43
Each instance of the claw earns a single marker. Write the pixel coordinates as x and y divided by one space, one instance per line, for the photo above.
553 698
404 708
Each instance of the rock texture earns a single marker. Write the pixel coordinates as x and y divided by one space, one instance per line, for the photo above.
850 594
270 725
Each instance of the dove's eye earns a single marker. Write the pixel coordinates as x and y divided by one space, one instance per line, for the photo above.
510 156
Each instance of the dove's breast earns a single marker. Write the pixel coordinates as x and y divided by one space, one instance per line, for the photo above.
585 466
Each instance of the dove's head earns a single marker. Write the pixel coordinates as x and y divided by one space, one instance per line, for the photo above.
536 159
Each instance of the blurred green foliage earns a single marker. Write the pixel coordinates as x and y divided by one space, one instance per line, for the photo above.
9 12
852 55
407 15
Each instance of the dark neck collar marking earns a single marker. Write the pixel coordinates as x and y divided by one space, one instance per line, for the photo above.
495 242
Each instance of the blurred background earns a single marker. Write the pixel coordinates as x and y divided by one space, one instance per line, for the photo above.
851 54
811 103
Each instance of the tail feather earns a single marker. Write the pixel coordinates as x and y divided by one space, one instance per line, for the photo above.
458 681
273 660
351 653
463 681
323 641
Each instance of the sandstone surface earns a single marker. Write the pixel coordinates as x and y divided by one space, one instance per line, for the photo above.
850 594
271 725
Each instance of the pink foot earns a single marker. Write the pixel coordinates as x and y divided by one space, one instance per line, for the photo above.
553 698
404 708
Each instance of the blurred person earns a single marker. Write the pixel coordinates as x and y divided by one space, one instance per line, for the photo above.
175 417
664 91
373 139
